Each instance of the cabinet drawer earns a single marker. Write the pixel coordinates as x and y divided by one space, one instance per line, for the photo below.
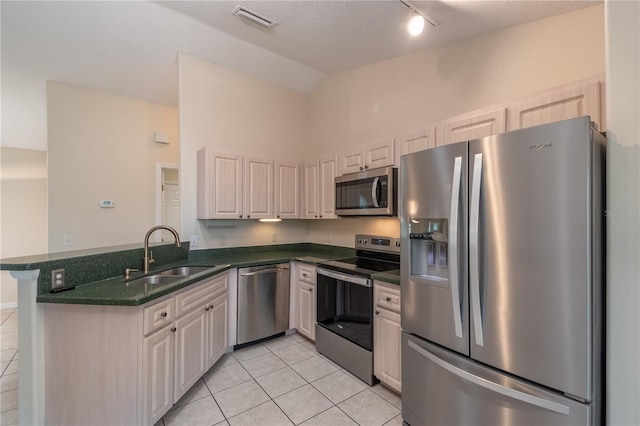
307 273
157 315
387 298
201 294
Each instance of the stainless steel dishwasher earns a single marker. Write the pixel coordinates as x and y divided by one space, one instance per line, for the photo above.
263 302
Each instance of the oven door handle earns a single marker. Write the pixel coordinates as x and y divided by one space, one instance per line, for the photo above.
346 278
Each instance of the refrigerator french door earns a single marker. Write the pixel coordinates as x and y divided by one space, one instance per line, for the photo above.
501 259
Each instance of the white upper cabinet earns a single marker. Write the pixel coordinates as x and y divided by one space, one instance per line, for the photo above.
311 190
328 169
258 188
415 141
318 196
561 103
380 153
473 125
219 185
287 190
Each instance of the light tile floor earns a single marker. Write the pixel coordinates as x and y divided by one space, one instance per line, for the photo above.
283 381
9 367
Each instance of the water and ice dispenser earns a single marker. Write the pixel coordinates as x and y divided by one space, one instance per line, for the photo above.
429 248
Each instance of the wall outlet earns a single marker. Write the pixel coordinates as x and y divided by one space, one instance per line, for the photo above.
274 237
193 240
57 279
67 239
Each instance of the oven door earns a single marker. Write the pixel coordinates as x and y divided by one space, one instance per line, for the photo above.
345 305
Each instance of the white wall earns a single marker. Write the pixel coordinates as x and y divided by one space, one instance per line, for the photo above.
623 201
23 210
410 92
101 146
232 112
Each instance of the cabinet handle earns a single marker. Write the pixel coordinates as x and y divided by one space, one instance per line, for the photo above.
210 306
278 216
206 308
305 275
366 167
361 168
388 299
248 216
163 314
377 312
320 216
173 329
315 216
240 216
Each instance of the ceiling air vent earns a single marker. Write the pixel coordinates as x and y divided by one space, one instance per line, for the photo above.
253 17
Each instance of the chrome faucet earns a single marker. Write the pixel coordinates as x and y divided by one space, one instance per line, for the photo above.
148 259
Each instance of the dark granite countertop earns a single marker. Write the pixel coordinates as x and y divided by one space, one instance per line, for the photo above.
98 280
115 291
391 277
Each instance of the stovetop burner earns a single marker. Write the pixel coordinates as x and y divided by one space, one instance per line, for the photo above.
374 254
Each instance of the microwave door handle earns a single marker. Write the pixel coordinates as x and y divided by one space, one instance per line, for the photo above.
374 192
454 270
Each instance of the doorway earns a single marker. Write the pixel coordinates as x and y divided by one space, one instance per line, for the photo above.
167 199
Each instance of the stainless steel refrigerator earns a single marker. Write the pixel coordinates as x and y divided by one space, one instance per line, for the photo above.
502 281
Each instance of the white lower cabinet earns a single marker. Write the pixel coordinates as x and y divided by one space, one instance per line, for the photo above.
387 333
128 365
198 338
306 300
158 355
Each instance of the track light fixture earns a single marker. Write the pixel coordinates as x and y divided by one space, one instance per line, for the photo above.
416 24
417 19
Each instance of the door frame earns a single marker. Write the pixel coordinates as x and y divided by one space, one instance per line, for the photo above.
160 167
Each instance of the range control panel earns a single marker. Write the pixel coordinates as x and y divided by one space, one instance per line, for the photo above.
377 243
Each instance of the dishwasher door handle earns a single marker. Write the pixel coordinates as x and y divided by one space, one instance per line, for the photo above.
263 271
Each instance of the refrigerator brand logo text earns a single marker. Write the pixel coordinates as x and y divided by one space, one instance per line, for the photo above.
541 146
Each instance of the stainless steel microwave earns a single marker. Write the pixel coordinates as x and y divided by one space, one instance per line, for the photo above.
368 193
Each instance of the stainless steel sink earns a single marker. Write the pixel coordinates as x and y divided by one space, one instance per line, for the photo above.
156 279
184 270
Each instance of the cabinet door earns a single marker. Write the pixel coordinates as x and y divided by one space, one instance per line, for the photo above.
157 374
219 185
386 356
310 196
561 103
411 142
379 154
190 350
287 190
327 184
217 331
352 160
258 188
473 125
307 307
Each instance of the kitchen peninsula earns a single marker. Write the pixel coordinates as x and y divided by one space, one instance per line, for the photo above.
99 285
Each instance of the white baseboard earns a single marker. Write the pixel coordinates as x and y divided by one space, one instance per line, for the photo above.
8 305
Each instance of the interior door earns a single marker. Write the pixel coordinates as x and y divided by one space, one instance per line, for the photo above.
530 255
433 229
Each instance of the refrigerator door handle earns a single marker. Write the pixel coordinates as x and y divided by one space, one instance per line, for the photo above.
454 278
474 272
492 386
374 192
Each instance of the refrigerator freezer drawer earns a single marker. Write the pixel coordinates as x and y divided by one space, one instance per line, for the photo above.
443 388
